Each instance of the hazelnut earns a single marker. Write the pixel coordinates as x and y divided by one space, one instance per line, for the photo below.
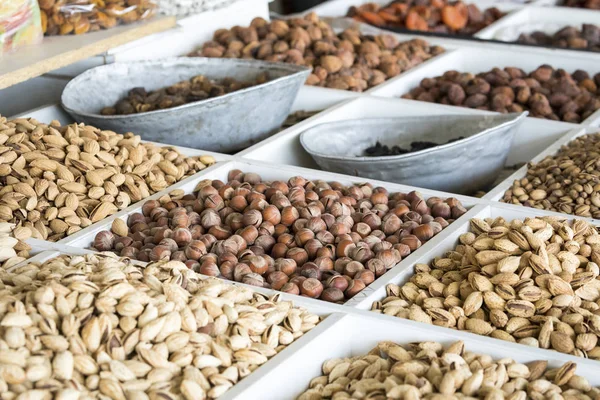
240 270
423 232
311 287
290 288
160 253
257 264
182 236
253 279
333 295
209 269
277 279
354 287
104 241
366 276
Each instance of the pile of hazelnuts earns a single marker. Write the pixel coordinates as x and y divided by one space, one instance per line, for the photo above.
313 238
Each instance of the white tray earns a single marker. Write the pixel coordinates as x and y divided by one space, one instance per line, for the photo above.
481 59
358 332
546 19
497 193
339 8
85 237
284 148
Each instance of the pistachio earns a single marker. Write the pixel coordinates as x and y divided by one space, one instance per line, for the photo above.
109 328
72 176
545 297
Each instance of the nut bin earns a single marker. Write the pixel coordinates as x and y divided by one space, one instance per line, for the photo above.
91 236
545 19
505 310
146 318
532 136
357 334
58 179
223 124
477 60
552 181
352 59
471 164
440 17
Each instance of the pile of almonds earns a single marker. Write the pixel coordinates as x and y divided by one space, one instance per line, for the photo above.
12 250
347 61
566 182
430 370
535 282
97 327
545 92
321 240
439 16
56 180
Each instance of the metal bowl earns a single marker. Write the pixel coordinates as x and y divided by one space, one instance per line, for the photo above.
463 166
227 123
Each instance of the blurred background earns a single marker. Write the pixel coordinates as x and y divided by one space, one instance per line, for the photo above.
293 6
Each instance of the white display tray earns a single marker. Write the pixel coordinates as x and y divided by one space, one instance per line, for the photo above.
497 193
545 19
85 237
325 310
481 59
356 333
284 148
339 8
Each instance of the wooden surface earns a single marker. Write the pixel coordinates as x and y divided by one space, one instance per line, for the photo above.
58 51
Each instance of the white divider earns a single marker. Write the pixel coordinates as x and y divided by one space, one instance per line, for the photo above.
284 148
475 60
357 333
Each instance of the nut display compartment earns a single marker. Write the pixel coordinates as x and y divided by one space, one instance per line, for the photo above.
302 334
284 148
356 334
339 8
476 60
496 193
85 238
448 242
546 19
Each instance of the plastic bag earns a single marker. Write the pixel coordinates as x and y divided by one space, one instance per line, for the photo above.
64 17
20 24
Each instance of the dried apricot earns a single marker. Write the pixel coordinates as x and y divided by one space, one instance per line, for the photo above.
415 22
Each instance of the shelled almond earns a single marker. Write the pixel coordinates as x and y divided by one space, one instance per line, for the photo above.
533 282
97 327
430 370
56 180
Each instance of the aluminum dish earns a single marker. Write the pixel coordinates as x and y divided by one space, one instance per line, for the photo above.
227 123
463 166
